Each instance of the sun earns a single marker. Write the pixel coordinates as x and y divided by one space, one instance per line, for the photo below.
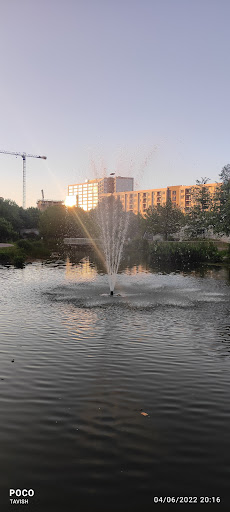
70 201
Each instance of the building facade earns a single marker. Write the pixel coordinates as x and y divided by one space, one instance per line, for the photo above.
43 204
87 195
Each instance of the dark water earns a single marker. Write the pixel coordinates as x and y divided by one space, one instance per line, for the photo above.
77 369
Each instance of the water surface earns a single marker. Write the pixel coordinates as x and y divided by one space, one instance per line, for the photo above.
78 367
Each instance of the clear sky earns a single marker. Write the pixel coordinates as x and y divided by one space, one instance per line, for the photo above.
140 87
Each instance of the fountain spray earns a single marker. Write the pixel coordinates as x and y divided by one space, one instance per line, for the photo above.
114 224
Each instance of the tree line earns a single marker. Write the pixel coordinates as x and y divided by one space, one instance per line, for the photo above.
57 222
207 212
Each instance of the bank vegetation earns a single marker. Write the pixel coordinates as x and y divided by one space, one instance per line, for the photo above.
165 233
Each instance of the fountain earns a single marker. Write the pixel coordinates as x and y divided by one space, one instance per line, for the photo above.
113 223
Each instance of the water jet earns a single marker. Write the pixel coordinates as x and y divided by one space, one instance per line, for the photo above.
113 223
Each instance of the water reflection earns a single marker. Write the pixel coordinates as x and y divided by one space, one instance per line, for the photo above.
85 270
81 324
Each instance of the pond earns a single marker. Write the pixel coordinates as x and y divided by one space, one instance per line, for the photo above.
78 369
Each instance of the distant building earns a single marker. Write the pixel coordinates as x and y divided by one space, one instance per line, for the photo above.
139 201
87 195
43 204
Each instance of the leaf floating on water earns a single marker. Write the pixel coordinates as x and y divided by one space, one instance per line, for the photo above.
144 413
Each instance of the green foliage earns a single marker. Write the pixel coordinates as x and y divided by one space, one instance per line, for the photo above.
30 217
225 174
52 222
35 249
179 255
164 220
58 222
200 217
19 260
77 223
18 217
137 245
12 256
10 211
221 209
136 226
6 230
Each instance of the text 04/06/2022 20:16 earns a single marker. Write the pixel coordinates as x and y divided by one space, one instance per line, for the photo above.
186 499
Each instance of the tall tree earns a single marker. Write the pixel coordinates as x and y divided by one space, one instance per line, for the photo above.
7 232
58 222
52 222
164 219
10 211
221 211
30 217
200 217
225 174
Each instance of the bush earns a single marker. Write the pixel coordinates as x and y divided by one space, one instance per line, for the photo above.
12 256
35 249
19 260
24 244
184 254
137 244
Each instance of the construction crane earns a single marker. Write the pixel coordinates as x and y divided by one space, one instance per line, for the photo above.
24 156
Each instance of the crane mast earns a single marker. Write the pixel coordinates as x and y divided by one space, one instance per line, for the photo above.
24 156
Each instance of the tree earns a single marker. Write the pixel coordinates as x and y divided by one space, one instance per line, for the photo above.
201 195
10 211
164 219
17 216
136 226
77 223
225 174
52 222
58 222
221 210
199 219
30 217
6 231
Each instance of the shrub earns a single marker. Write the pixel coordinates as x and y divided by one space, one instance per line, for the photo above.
35 249
12 256
19 260
24 244
184 254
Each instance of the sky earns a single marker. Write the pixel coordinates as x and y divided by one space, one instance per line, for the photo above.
136 87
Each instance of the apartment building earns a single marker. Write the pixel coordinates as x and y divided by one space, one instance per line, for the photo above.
87 195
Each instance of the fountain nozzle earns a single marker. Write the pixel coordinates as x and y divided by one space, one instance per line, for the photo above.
111 292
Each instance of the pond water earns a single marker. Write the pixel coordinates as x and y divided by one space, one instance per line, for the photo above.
78 368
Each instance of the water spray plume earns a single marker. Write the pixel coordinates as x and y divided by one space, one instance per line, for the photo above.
113 222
